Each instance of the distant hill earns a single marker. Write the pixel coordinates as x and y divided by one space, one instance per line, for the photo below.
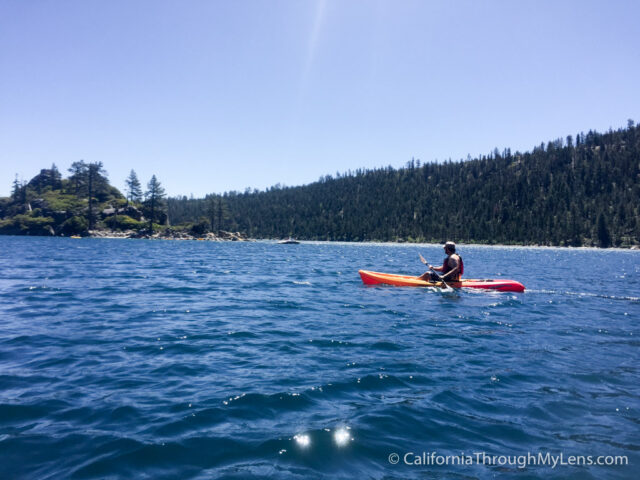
569 192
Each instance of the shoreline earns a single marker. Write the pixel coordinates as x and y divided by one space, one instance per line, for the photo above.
239 237
222 236
472 245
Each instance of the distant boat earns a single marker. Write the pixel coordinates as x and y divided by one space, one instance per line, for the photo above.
289 241
76 236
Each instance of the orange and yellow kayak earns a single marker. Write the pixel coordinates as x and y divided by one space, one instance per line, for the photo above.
377 278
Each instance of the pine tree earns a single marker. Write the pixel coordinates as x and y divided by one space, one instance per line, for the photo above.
134 189
604 238
155 199
78 171
56 177
211 210
95 180
220 213
15 191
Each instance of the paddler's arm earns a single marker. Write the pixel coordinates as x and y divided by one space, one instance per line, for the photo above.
454 271
450 273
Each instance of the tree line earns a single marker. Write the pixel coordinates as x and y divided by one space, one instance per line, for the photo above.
569 192
580 191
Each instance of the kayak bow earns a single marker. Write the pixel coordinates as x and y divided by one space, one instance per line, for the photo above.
377 278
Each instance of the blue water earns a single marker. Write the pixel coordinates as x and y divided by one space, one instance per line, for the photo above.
163 359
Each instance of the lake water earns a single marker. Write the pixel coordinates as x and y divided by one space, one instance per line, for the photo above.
166 359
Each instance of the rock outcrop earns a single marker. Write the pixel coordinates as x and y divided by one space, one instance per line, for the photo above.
170 234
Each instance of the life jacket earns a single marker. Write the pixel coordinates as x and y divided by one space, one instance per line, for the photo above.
446 268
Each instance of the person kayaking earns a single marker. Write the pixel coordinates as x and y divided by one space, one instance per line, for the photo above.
452 268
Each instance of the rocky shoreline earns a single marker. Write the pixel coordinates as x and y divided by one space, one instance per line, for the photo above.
170 234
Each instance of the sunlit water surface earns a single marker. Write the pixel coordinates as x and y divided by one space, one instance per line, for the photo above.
162 359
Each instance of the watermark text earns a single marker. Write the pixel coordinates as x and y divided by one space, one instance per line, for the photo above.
529 459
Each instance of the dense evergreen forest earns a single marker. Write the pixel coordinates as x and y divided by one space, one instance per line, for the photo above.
569 192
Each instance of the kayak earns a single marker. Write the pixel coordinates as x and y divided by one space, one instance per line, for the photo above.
377 278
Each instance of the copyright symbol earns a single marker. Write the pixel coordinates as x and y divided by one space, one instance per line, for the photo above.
394 458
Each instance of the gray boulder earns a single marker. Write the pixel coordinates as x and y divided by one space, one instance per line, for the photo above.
132 212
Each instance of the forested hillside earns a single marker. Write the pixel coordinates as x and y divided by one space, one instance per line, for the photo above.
582 191
573 192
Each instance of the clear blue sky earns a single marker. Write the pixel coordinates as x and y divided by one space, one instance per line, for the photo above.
214 96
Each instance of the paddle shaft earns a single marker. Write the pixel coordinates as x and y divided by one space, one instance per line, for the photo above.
431 268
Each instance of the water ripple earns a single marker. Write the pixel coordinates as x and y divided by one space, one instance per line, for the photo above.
142 359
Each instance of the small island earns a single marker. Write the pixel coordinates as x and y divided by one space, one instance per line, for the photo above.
86 205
